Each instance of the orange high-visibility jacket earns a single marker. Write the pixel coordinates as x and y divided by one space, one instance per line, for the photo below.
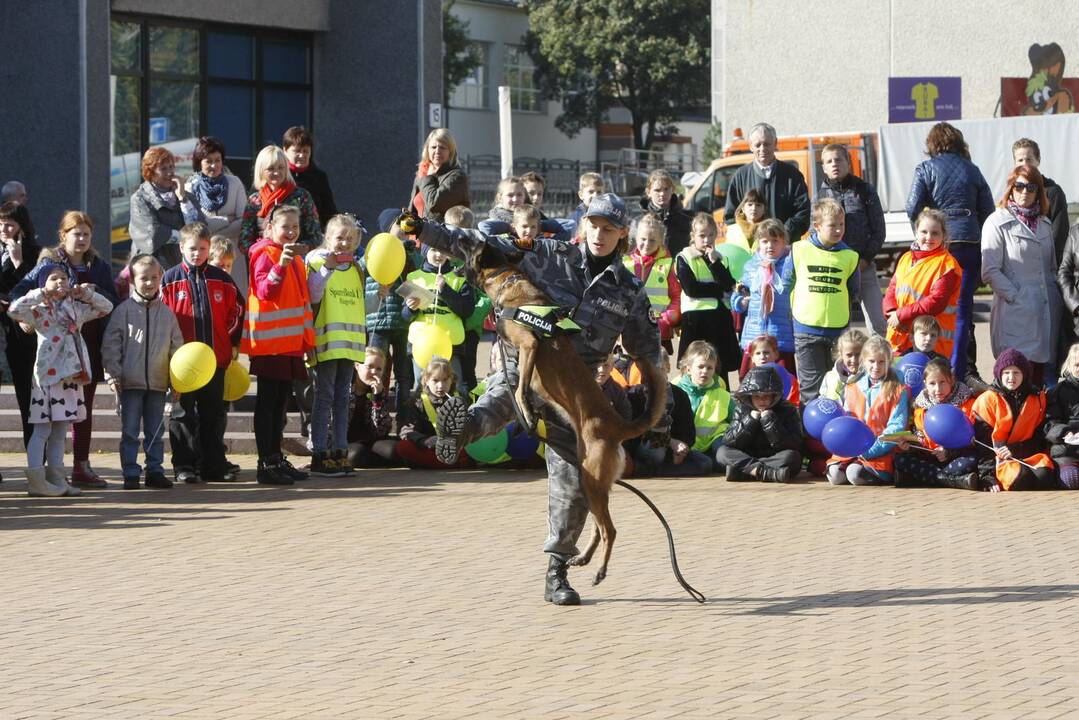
919 421
284 325
994 410
913 281
876 418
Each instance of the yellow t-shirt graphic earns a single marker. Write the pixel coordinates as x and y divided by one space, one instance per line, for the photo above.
925 97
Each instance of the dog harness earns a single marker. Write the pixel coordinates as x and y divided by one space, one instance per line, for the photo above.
545 321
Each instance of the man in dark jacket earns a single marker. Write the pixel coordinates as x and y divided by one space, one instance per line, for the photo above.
1026 152
781 184
299 146
764 440
865 228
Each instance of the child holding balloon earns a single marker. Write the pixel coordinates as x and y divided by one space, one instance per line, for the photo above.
62 367
417 420
141 336
928 463
207 306
1063 415
765 298
1009 417
882 402
278 333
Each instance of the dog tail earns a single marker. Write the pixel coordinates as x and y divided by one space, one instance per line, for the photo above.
656 384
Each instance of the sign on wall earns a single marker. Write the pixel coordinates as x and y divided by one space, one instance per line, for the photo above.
1046 91
919 99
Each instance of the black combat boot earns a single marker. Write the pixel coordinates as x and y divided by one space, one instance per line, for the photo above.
558 589
771 474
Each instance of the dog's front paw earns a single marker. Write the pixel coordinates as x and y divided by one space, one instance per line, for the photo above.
600 576
578 560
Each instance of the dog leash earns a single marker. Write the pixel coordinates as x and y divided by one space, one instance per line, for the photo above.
693 592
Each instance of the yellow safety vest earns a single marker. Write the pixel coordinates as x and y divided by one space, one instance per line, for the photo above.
912 282
710 418
820 297
340 333
655 285
443 316
700 271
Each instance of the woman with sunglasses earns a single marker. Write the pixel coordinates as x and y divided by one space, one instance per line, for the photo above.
948 181
1019 263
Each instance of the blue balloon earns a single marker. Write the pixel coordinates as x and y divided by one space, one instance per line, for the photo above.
847 437
784 375
949 427
818 413
521 444
911 369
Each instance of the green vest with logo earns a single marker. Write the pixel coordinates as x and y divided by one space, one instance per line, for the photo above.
655 285
820 297
340 333
700 271
441 313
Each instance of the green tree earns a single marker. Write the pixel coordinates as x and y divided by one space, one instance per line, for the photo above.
712 144
650 56
460 56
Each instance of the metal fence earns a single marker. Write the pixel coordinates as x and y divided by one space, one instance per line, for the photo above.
559 198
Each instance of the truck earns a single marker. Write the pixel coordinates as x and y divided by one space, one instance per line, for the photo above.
887 158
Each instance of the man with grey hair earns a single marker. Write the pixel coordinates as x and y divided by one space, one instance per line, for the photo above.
781 184
14 191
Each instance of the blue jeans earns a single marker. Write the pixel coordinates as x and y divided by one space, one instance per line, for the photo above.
969 257
143 409
329 416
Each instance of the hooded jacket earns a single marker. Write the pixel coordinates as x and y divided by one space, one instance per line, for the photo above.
778 428
140 338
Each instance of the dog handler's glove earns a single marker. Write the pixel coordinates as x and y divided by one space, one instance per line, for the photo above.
410 223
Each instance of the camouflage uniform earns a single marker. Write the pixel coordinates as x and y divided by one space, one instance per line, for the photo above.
607 306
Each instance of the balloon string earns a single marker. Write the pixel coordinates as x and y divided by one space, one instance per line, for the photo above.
999 461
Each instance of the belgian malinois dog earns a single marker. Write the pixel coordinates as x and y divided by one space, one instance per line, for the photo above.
551 368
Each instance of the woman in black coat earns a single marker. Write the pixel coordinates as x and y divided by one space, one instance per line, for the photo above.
440 182
18 256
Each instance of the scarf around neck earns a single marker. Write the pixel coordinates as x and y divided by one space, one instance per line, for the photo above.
167 196
272 198
1026 215
210 193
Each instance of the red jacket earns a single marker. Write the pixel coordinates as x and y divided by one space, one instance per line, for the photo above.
933 303
207 305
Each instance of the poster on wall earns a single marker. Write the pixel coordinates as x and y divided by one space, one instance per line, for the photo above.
920 99
1045 91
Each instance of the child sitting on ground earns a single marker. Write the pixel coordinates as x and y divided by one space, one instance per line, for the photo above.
369 442
1063 426
1010 416
712 405
848 351
882 402
668 452
924 333
764 439
653 265
936 466
764 297
752 211
417 420
140 338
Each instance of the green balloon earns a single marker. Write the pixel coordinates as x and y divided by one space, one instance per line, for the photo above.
735 257
489 449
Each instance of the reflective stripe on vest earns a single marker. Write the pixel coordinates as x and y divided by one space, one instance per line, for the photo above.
337 334
284 325
710 418
820 297
655 285
913 281
700 271
442 314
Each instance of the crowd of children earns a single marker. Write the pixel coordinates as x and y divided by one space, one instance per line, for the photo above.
312 315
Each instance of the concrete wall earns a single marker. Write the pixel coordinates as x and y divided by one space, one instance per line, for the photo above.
54 122
824 66
534 134
306 15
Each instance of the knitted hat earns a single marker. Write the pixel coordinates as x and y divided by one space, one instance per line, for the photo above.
1009 358
47 269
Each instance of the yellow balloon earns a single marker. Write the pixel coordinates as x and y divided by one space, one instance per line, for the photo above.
428 341
385 258
237 381
192 366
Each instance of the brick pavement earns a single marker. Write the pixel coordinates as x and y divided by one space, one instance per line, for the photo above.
418 595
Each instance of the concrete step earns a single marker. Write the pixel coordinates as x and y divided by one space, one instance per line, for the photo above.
106 419
108 441
105 400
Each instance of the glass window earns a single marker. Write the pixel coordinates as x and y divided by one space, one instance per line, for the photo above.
174 111
281 109
520 77
230 56
174 50
473 90
126 107
230 115
284 62
126 53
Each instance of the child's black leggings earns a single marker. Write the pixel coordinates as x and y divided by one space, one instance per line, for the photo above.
270 401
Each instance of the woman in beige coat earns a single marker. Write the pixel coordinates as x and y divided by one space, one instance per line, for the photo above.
1019 263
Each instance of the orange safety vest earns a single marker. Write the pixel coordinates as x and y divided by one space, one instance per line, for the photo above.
876 418
632 375
994 410
919 422
913 281
284 326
